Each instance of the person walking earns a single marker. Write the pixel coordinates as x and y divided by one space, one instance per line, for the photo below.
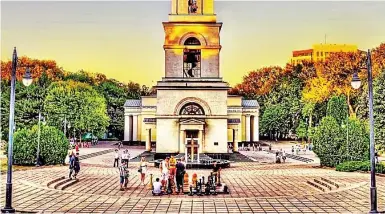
76 166
116 160
142 169
125 158
180 171
77 149
71 165
122 175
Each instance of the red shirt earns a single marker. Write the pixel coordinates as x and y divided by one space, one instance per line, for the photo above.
77 148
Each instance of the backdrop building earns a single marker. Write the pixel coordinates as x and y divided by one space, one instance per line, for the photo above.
192 111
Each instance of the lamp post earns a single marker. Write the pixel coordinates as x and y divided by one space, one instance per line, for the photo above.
27 80
38 140
356 83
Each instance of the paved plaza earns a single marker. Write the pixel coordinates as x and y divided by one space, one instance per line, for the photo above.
254 188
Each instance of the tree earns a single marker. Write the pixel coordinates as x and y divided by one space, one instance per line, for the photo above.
301 130
81 105
328 140
338 109
272 119
53 146
357 142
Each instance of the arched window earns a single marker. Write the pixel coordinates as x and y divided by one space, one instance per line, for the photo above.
192 109
192 59
192 41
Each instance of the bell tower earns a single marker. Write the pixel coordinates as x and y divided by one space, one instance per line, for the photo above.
192 41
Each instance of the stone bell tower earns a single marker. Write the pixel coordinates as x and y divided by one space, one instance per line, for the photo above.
192 43
191 107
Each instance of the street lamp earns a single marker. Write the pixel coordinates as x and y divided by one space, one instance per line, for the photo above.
356 83
38 139
27 80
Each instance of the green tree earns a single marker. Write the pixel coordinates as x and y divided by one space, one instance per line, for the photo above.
338 109
53 146
301 130
328 141
80 104
272 119
356 146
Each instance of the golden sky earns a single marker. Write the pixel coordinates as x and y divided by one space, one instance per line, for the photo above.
124 39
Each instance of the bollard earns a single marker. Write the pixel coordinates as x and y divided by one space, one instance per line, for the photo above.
151 185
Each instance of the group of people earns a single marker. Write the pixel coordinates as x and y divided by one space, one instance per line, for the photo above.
298 148
74 165
280 156
124 172
171 170
124 157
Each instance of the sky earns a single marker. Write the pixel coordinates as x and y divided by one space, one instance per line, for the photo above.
124 39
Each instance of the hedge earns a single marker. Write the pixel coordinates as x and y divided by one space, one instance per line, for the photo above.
53 146
352 166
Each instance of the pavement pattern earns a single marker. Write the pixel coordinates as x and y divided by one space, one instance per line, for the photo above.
254 188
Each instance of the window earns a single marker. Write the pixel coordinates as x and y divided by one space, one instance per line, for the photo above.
192 109
322 53
317 53
192 59
192 6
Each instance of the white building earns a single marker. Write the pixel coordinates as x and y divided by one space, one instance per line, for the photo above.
192 111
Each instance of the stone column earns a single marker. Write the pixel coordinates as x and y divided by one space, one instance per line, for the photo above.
200 139
185 153
127 130
182 141
235 146
256 128
247 129
134 127
148 140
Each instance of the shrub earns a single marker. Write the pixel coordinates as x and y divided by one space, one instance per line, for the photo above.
352 166
53 146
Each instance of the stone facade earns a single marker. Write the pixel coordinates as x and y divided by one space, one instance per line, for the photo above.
191 111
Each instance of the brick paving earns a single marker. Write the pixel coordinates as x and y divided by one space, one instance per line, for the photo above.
254 188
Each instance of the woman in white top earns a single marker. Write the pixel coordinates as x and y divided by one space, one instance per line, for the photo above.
142 169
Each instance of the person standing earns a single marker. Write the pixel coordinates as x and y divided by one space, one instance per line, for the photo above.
172 166
77 149
180 171
122 174
283 156
125 158
164 171
116 160
142 169
216 171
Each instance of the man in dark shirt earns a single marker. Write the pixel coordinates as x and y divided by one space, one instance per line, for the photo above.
180 170
216 171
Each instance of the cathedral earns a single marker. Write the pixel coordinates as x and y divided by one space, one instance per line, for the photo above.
191 111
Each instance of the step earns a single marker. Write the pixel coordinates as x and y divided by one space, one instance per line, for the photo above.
316 185
338 185
55 180
323 184
68 184
61 183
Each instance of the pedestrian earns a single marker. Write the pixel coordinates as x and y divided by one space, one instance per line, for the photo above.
142 169
126 177
125 158
376 156
76 166
292 150
122 175
172 166
119 145
77 148
164 171
283 156
116 160
180 171
71 165
270 147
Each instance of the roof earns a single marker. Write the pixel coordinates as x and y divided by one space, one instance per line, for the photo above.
133 103
250 103
302 52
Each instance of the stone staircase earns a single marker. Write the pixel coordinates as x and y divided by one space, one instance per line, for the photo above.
324 184
61 183
295 157
82 157
238 157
